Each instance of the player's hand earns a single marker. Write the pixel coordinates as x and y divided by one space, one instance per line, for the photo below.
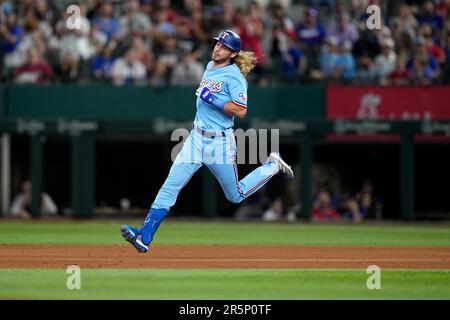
206 95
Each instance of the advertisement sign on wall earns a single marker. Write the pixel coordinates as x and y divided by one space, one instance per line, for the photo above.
387 103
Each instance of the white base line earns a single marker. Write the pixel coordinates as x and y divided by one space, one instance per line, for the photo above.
306 260
241 260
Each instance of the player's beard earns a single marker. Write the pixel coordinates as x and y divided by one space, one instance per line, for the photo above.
220 60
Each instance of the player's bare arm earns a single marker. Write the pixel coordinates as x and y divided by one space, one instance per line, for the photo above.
233 109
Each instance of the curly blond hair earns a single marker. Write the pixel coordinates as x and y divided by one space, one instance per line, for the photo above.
246 61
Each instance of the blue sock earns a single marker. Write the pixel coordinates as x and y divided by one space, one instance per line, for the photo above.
151 224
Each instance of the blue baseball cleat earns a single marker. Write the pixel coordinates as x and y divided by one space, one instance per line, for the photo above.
133 236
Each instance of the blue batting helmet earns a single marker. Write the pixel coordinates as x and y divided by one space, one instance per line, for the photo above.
230 39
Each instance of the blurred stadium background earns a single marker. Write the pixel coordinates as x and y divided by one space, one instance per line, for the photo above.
86 115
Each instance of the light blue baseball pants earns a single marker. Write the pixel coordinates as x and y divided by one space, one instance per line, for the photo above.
219 155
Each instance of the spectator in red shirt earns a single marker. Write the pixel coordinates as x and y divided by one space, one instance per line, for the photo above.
251 31
400 75
432 43
435 50
323 209
443 8
35 70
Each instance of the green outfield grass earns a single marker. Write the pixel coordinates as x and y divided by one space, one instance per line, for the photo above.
170 232
225 284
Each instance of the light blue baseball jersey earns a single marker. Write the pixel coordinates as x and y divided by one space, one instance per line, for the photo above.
227 84
218 153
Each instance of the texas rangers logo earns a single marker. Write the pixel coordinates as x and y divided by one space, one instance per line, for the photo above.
225 35
242 96
213 86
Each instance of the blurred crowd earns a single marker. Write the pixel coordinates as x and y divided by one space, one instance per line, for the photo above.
269 205
167 42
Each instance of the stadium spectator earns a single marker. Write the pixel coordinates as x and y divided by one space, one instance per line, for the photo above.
146 7
73 50
294 63
366 45
350 209
35 70
68 69
446 66
323 209
432 43
405 22
443 9
265 28
94 9
338 64
274 212
105 21
366 72
128 70
280 28
405 46
385 63
197 21
311 33
283 20
429 16
11 35
97 40
31 38
43 16
191 6
102 64
342 29
21 205
135 23
164 7
369 203
187 39
400 75
143 54
166 62
345 66
328 54
164 27
228 11
423 67
420 71
222 17
188 71
384 32
447 46
365 204
43 11
249 26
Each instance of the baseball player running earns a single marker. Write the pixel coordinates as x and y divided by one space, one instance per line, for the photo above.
221 96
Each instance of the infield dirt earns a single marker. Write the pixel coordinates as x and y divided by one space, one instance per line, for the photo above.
223 256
